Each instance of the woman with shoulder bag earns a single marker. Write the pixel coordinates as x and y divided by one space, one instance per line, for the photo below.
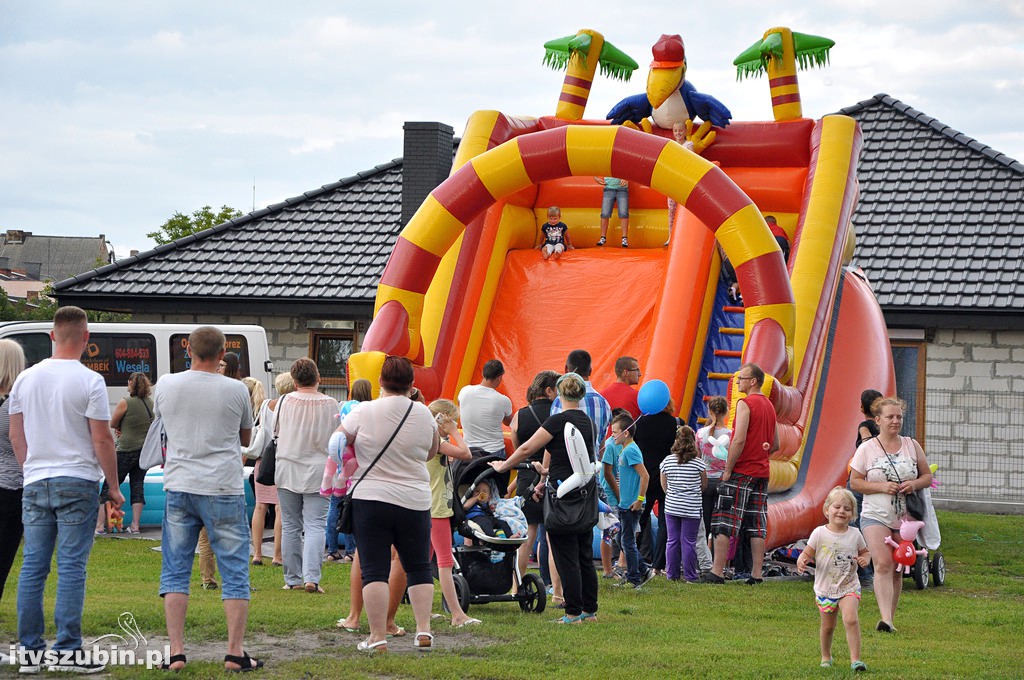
886 469
304 422
393 438
266 495
525 423
131 419
573 551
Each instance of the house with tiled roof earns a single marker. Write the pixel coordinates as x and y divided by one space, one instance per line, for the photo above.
939 227
29 261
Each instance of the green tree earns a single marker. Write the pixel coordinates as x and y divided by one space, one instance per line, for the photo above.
181 225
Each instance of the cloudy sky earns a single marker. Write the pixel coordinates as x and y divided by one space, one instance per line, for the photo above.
116 114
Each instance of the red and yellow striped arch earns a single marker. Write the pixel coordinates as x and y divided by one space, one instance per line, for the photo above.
578 150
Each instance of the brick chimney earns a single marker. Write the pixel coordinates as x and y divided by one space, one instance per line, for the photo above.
427 161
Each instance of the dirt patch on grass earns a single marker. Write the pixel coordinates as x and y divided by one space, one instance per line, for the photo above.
303 644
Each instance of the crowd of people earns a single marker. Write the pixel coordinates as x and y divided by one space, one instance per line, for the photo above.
382 467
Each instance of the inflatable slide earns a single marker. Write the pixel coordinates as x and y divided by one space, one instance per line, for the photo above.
466 282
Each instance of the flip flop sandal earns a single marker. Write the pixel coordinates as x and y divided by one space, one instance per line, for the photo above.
424 642
175 658
399 632
245 663
378 647
468 622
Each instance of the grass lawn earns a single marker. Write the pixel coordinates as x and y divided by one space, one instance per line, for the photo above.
973 627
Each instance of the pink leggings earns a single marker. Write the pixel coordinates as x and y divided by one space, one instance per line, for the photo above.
441 541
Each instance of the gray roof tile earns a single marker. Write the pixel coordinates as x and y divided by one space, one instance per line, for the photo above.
952 207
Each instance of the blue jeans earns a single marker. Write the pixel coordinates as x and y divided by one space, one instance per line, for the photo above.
332 524
628 522
60 513
347 542
225 521
618 197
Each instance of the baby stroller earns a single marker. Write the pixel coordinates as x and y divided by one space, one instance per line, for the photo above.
933 564
486 568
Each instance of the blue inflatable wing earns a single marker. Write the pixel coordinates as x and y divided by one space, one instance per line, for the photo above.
705 106
634 108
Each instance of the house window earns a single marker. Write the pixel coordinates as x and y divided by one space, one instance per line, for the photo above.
330 349
909 361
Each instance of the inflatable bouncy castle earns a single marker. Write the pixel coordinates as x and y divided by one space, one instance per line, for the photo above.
466 283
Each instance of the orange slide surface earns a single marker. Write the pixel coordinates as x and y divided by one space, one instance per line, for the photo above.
597 299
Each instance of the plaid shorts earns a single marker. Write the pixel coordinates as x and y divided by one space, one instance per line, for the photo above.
742 503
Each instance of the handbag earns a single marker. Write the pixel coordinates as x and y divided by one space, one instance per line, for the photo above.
913 501
268 461
154 449
573 513
346 522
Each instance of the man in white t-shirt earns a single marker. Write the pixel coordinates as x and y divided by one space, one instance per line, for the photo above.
484 409
207 418
60 432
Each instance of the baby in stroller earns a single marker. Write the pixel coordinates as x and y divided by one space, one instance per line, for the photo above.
480 512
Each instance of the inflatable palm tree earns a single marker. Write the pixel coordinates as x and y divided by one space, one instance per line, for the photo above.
778 53
581 55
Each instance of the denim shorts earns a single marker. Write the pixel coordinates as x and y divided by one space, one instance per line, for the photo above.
225 521
615 196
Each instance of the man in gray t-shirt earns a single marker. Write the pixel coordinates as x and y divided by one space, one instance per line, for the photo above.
207 418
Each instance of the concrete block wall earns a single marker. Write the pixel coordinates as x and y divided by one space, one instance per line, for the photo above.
974 412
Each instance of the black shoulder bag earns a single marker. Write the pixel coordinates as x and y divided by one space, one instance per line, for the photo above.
914 501
268 461
346 523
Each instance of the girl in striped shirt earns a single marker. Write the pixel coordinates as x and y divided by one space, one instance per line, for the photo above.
683 476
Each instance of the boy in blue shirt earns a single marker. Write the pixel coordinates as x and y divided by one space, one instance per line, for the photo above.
631 487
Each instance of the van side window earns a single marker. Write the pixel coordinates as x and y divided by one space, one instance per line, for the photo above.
116 356
37 346
181 361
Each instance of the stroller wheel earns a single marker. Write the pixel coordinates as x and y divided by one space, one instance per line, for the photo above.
461 593
938 569
921 573
533 597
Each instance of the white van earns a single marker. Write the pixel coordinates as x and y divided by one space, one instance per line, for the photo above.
116 350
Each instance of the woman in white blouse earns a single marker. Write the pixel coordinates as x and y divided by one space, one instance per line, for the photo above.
305 420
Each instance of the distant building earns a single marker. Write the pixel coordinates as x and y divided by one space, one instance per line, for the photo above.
28 261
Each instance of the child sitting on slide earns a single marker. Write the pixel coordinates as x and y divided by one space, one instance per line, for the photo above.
556 235
480 515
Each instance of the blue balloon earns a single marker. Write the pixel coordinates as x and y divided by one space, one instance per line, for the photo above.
653 397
